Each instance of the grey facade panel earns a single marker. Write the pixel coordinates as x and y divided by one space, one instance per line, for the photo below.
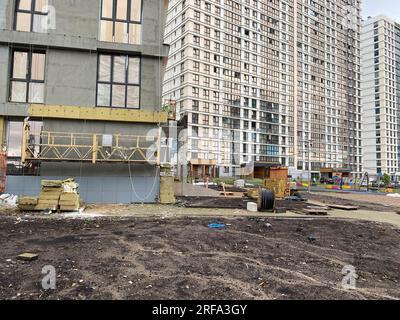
79 18
150 84
77 169
71 78
100 127
113 190
4 57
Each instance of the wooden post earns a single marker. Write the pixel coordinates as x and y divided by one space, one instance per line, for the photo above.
23 144
159 146
95 147
223 188
2 136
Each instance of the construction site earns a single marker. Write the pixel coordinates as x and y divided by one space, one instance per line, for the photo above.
97 180
216 241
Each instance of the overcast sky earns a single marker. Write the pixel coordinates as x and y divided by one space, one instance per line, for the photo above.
390 8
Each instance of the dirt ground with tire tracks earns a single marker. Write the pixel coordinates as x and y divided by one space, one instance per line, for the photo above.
367 201
182 258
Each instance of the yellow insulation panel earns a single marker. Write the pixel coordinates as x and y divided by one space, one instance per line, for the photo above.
96 113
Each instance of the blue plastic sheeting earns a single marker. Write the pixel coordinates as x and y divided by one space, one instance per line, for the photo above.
216 225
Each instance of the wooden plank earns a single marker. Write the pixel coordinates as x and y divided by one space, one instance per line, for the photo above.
227 194
315 212
318 208
223 187
28 256
340 207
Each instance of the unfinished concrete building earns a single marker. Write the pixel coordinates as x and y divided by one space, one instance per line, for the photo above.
269 81
80 95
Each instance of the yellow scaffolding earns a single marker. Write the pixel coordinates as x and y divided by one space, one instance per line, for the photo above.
88 147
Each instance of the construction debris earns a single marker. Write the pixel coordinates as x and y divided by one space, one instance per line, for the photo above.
28 256
315 212
55 195
253 193
252 207
311 238
240 183
216 225
9 200
294 198
394 195
341 207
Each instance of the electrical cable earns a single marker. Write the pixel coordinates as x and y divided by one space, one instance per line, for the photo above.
158 170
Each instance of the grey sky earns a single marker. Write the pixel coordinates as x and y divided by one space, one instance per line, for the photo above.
390 8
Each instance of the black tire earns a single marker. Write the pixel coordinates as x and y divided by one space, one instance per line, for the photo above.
267 200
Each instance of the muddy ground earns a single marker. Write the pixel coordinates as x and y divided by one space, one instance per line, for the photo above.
182 258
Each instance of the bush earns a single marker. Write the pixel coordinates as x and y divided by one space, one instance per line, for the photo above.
386 179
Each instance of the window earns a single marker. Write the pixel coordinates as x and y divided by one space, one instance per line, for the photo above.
121 21
27 76
31 15
118 81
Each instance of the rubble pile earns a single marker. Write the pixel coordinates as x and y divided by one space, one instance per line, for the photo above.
8 200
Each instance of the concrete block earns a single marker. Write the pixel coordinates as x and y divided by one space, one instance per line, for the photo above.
252 207
167 190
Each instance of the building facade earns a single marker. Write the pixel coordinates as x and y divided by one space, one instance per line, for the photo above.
380 50
268 81
80 95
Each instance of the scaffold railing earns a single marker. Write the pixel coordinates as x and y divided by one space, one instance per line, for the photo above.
89 147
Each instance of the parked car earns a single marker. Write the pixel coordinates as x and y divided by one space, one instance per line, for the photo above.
376 184
395 185
326 181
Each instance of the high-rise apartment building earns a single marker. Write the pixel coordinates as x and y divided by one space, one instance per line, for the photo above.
80 96
267 81
380 52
